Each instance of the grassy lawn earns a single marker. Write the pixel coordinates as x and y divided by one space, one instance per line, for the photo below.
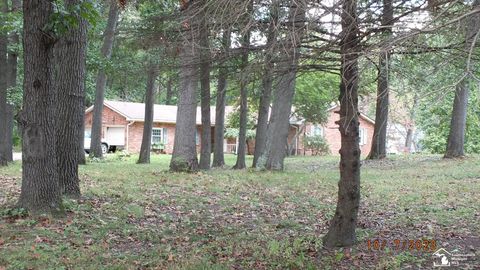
142 216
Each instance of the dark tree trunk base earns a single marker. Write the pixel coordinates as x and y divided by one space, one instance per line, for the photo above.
182 165
454 156
376 156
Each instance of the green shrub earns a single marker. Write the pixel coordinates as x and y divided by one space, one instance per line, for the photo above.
317 144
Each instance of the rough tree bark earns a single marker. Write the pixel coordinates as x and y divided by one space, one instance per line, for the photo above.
277 138
218 155
342 227
411 125
4 151
40 190
206 137
184 156
242 134
8 144
379 140
146 147
108 38
456 136
70 57
267 81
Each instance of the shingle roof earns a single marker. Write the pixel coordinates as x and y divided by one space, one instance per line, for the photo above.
161 113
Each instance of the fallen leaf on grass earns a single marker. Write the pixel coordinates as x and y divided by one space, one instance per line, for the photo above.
347 253
89 242
39 239
45 222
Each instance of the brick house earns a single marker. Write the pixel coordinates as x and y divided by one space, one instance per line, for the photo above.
122 128
331 133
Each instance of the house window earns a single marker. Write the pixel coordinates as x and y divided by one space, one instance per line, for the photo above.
363 136
157 136
317 130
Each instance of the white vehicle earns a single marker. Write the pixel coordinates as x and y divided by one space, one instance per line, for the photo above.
87 140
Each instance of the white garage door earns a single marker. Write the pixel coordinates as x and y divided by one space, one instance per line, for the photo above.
115 135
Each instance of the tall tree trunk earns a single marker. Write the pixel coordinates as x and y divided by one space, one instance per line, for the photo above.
184 157
408 140
242 134
456 137
169 94
108 38
13 54
206 138
411 125
146 147
4 151
342 227
40 190
379 141
9 111
6 131
277 138
70 56
458 123
218 155
267 81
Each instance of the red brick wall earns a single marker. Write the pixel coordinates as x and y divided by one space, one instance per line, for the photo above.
109 118
135 133
332 134
135 130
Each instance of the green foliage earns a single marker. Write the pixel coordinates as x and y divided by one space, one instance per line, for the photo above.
11 21
434 119
233 120
233 133
65 18
317 144
315 91
158 146
13 213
